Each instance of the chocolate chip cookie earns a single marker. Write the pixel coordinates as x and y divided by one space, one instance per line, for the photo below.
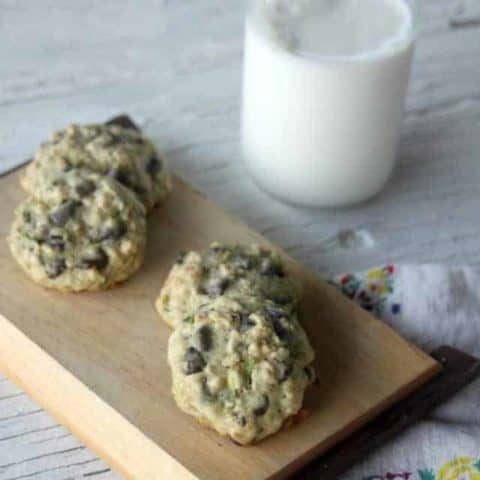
232 271
79 231
240 368
123 154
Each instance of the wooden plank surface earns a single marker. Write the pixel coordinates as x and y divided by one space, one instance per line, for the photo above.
97 361
176 66
459 370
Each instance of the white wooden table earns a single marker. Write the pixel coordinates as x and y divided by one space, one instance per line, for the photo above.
175 66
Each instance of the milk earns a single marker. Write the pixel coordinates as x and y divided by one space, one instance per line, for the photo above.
324 88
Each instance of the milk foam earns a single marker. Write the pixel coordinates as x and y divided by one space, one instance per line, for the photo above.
335 28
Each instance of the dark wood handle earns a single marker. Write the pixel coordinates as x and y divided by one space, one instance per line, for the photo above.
459 370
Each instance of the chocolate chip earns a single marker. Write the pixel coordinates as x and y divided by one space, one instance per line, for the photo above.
180 258
280 330
55 268
194 361
138 190
282 299
97 259
27 216
270 268
86 187
123 121
276 315
215 287
67 166
62 214
309 372
204 337
111 139
56 242
113 232
284 371
262 407
240 260
120 175
275 312
153 166
241 420
246 323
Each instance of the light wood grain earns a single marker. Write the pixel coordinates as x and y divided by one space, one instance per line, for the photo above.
97 361
74 405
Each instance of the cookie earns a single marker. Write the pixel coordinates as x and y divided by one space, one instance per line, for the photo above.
80 231
240 368
121 153
232 271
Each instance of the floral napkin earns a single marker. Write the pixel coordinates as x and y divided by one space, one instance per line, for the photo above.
431 305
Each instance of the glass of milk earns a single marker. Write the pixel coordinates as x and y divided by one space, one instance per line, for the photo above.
323 95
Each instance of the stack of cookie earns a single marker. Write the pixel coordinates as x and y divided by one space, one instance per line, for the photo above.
83 225
239 358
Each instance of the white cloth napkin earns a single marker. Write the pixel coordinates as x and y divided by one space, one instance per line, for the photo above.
431 305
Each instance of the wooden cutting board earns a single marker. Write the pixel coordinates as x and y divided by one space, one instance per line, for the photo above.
97 361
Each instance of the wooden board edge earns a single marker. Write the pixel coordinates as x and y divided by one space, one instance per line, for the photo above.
162 464
130 453
430 362
458 370
431 372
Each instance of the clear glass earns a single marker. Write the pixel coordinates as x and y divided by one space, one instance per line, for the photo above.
323 94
